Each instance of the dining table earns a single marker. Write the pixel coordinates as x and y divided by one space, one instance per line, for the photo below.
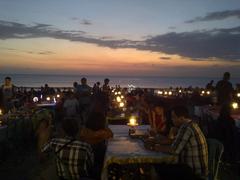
124 149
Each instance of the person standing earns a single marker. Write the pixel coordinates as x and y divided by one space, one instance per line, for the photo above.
7 94
224 89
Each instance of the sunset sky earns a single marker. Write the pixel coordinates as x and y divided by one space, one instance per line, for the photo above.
120 37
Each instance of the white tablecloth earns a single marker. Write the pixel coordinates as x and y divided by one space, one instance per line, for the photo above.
122 149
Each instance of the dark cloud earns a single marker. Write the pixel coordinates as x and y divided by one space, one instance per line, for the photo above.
220 15
172 27
46 52
86 22
75 18
165 58
197 45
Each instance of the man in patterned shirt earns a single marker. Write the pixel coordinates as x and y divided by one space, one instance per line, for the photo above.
190 144
74 158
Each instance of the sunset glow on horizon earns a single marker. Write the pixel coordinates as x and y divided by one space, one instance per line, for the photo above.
204 41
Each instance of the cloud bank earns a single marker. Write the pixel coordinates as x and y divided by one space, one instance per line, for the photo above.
197 45
220 15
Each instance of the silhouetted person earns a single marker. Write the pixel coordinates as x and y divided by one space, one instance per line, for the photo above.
210 86
7 94
224 89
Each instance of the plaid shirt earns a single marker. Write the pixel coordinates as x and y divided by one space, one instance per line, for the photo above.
191 146
77 156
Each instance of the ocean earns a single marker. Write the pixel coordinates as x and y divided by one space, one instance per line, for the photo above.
38 80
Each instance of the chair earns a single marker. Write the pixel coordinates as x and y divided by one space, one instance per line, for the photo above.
215 151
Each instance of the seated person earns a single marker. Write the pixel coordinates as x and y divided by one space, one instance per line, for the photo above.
97 121
75 158
190 144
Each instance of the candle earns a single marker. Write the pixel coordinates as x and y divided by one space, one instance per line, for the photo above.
48 98
238 94
119 99
160 92
1 112
235 105
58 95
132 121
121 104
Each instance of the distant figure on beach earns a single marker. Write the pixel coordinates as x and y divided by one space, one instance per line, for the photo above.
106 93
224 89
210 86
96 88
7 94
75 85
71 105
84 96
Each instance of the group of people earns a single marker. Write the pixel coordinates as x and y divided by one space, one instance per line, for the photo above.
79 144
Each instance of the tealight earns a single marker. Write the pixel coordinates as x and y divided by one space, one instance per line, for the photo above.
58 95
165 92
170 93
122 97
160 92
132 121
203 92
238 94
208 92
235 105
118 99
48 98
119 92
180 91
115 93
35 99
1 112
121 104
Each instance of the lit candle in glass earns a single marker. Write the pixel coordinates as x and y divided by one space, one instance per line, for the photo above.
238 94
118 99
235 105
132 121
121 104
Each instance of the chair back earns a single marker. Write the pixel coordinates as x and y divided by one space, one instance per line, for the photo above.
215 151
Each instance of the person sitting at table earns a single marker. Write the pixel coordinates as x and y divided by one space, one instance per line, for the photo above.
190 144
74 158
97 121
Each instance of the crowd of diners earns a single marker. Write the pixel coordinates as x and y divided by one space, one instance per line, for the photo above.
78 140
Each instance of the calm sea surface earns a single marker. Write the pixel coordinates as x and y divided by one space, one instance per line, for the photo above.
29 80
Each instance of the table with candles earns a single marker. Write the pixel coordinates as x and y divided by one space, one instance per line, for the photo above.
123 149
